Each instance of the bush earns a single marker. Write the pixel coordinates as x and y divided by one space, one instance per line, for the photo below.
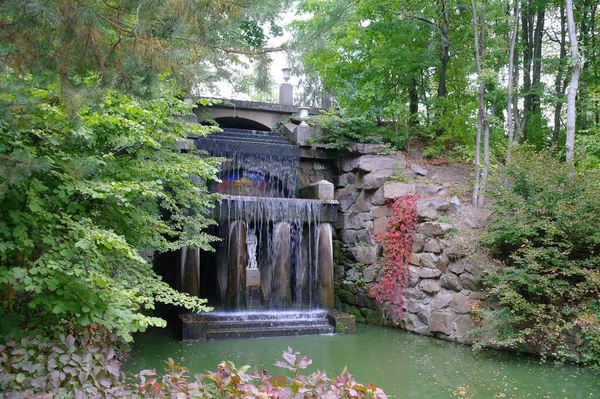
545 231
338 130
231 382
86 366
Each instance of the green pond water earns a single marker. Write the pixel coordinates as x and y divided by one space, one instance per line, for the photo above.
404 365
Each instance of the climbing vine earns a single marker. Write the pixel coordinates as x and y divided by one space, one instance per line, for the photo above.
397 242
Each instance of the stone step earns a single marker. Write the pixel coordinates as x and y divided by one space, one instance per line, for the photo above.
258 139
265 316
265 324
222 147
268 332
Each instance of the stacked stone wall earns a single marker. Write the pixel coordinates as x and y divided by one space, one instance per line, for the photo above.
444 291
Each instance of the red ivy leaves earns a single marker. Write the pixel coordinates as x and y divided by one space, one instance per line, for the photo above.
397 242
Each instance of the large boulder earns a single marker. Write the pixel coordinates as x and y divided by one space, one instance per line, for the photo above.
441 322
434 229
376 179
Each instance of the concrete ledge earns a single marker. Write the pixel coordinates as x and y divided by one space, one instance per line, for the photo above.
344 323
193 328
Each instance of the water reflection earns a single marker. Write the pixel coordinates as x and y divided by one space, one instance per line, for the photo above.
406 366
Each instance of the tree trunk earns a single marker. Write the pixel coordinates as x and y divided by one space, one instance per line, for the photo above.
537 60
572 94
445 36
479 54
511 68
559 81
413 102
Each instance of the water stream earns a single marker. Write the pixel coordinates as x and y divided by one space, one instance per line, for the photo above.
404 365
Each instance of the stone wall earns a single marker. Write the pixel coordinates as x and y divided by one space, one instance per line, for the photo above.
444 289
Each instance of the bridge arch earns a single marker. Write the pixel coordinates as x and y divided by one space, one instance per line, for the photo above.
240 123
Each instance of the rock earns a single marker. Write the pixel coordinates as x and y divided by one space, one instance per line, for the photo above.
429 273
395 190
451 282
468 223
349 236
378 198
434 229
349 164
458 266
429 189
455 205
463 324
364 254
473 268
321 190
376 178
370 272
442 262
352 275
346 179
380 224
364 237
434 246
429 209
370 163
362 300
358 221
461 304
379 211
441 301
414 259
365 149
478 295
419 170
414 293
418 242
429 286
441 322
346 197
362 203
412 323
414 278
470 282
427 260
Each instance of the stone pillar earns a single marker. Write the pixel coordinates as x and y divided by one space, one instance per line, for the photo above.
325 267
286 94
236 265
282 268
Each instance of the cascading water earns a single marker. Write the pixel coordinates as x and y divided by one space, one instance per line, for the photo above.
267 257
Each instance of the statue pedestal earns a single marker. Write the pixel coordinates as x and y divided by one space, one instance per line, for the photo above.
253 288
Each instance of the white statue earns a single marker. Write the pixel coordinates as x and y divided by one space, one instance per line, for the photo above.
251 243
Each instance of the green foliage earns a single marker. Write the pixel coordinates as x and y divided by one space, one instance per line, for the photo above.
86 366
83 195
545 230
233 382
34 366
338 129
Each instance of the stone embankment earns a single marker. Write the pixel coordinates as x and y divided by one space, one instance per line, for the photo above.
444 292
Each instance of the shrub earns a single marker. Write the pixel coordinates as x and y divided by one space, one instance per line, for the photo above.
229 381
397 241
66 366
545 231
86 366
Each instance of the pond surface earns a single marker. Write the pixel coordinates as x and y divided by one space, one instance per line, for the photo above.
404 365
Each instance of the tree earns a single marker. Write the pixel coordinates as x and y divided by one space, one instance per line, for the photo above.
92 177
572 93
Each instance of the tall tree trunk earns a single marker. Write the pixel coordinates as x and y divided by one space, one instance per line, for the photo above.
560 81
537 59
479 36
511 68
527 40
413 102
445 36
572 94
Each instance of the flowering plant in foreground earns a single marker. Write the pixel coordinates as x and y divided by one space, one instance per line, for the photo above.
231 382
397 240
